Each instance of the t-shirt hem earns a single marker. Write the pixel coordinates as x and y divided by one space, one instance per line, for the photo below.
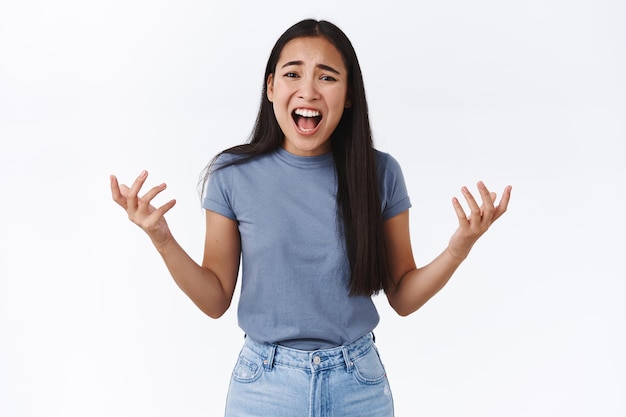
403 205
219 209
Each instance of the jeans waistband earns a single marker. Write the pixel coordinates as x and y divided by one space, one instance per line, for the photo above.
315 360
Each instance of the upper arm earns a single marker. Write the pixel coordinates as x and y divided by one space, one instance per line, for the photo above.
399 251
222 250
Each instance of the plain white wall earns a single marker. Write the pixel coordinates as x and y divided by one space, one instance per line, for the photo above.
525 93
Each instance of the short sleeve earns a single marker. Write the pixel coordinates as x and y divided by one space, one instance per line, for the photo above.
393 193
218 191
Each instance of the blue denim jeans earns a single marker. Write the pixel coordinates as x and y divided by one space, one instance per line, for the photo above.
276 381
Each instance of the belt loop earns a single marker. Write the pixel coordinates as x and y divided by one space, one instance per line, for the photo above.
346 358
268 363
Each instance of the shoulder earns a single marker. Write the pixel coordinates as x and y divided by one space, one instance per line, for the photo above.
386 163
225 159
394 193
228 161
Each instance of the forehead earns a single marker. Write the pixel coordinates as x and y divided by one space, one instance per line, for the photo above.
311 50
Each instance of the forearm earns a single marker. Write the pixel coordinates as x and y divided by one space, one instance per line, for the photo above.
200 284
412 287
419 285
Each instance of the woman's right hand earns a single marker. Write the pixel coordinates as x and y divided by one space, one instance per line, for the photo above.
140 210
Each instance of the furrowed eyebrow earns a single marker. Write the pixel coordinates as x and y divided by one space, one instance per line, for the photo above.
320 66
328 68
290 63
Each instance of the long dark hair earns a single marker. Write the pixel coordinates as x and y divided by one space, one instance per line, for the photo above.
358 199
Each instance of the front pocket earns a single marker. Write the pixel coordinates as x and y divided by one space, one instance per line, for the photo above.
368 368
248 367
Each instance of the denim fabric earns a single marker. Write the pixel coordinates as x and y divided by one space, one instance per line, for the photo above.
346 381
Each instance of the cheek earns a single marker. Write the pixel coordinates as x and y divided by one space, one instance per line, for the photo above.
282 116
341 99
280 112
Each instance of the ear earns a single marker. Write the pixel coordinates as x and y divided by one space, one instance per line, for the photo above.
270 88
348 102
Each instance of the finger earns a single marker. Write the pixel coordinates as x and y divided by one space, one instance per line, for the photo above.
116 193
504 203
153 192
134 190
487 201
460 213
471 202
124 189
160 212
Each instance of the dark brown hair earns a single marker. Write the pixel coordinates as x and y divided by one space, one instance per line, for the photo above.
358 199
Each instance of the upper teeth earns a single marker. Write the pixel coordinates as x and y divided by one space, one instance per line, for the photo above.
307 113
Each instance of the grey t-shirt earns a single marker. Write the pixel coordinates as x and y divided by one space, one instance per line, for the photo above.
295 272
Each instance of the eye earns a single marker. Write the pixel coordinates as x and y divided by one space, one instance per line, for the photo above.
291 75
327 78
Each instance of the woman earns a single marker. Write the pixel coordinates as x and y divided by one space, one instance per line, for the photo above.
320 221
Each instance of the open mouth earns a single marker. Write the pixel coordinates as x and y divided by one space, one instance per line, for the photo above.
306 120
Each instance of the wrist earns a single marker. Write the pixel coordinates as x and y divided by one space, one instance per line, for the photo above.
456 255
163 242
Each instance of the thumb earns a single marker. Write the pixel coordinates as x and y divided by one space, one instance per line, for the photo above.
124 190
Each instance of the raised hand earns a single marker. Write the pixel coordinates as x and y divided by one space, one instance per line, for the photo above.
480 219
140 210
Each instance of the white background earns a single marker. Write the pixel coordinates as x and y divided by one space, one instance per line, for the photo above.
529 93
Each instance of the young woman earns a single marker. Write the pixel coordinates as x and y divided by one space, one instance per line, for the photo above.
320 221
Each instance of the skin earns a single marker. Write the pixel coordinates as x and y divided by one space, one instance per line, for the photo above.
412 287
303 80
310 74
211 284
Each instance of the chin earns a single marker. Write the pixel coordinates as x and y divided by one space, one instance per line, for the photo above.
307 147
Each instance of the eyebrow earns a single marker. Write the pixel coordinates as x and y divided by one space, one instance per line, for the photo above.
320 66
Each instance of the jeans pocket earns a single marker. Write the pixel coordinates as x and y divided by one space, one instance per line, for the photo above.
368 368
249 366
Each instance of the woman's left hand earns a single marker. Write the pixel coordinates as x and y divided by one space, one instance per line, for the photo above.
480 219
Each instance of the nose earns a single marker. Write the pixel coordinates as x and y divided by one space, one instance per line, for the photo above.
308 89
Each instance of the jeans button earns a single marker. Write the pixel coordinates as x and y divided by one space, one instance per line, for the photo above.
316 360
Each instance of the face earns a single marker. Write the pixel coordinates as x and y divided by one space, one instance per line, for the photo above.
308 90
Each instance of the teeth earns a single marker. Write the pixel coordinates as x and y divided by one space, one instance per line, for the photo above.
307 113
